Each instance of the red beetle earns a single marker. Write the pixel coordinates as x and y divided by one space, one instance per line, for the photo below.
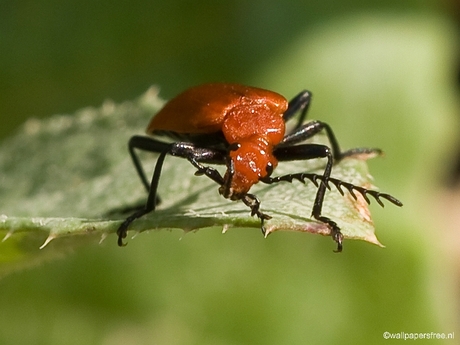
244 128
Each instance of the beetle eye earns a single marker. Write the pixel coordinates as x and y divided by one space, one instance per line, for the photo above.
234 147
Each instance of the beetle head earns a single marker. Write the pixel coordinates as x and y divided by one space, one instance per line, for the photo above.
248 162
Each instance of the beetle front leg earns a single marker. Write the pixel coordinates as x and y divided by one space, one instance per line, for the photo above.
149 205
253 203
336 235
305 152
195 155
188 151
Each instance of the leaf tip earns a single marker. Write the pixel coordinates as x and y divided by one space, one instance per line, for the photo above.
371 238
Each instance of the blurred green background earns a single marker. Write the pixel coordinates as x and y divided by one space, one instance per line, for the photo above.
383 74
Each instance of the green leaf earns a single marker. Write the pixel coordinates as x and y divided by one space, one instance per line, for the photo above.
65 180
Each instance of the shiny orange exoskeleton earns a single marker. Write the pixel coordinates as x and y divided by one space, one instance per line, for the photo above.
249 117
244 128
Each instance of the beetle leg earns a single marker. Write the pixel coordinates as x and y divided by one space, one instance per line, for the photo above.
149 205
312 128
145 144
253 203
195 154
300 132
307 131
185 150
301 103
312 151
210 172
316 213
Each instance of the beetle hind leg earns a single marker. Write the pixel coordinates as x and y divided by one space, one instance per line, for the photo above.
365 152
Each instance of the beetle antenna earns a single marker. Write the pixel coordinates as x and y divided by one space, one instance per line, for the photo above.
364 192
351 188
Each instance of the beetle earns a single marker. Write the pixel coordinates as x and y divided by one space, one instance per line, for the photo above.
244 128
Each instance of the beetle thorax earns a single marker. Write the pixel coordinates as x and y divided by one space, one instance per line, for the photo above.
247 121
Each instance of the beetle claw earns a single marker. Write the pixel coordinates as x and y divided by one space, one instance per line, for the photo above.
337 236
122 233
262 228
